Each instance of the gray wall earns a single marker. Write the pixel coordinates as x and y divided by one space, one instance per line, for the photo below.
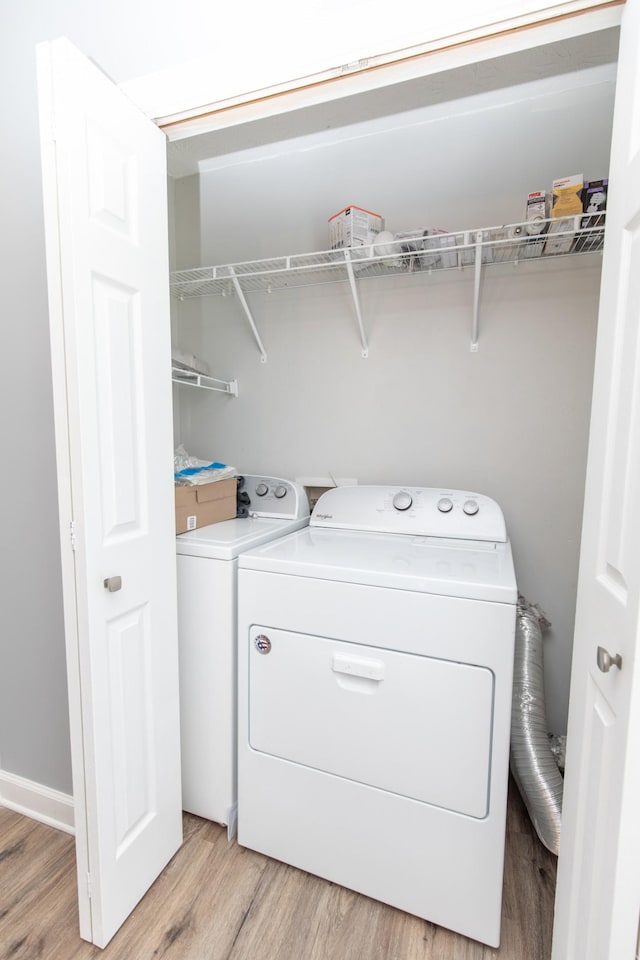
510 421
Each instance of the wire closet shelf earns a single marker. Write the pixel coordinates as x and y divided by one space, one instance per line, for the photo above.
408 253
415 253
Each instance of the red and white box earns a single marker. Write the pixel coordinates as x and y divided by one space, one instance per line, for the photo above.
354 227
538 211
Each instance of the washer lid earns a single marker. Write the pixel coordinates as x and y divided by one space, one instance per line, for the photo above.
476 570
227 539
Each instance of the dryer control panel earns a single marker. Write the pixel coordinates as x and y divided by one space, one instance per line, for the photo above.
412 511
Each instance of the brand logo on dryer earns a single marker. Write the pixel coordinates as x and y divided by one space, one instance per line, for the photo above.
324 516
262 643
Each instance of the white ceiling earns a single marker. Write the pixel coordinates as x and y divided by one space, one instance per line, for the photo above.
569 61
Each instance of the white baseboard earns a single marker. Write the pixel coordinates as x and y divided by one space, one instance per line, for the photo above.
36 801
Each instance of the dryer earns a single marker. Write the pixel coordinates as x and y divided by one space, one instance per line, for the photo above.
375 661
207 565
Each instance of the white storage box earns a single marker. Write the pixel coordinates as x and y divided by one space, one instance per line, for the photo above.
354 227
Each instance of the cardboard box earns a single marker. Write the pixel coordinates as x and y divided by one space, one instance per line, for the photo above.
198 505
444 243
354 227
594 205
427 249
538 210
567 196
594 201
471 237
537 214
567 204
409 247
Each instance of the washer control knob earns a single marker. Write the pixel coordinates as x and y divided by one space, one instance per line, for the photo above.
280 491
445 505
402 500
470 507
262 489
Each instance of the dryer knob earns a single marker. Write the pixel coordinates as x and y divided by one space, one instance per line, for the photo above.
262 489
402 500
280 491
445 505
470 507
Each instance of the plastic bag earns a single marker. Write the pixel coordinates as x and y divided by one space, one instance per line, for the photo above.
191 471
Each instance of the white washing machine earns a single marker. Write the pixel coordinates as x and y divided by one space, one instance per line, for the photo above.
207 564
375 659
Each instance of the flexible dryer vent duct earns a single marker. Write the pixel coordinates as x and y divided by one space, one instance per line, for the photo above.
532 762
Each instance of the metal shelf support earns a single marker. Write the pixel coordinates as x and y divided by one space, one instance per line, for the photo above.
475 321
249 315
356 303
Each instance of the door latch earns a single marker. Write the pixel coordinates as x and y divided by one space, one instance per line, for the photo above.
112 584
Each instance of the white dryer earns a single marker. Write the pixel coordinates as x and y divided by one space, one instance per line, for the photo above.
375 661
207 565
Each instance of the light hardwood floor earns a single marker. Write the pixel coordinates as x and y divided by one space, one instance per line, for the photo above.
218 901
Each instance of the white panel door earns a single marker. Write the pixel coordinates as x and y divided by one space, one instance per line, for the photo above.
598 894
104 172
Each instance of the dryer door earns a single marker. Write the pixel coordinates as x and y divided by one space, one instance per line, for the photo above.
416 726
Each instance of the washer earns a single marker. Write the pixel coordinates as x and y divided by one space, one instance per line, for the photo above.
375 664
207 564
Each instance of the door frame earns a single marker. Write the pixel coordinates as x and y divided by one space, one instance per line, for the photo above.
63 476
157 94
182 102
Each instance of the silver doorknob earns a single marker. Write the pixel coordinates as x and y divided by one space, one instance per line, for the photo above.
606 661
112 584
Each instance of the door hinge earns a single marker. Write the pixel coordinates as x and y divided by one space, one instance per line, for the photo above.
354 66
89 887
72 533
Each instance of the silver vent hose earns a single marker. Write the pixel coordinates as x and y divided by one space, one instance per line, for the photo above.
533 764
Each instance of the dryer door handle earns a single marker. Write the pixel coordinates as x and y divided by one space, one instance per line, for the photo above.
358 667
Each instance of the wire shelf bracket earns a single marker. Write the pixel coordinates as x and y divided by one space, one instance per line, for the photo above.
475 320
249 315
356 303
191 378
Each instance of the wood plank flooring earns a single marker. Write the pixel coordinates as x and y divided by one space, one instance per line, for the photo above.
218 901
